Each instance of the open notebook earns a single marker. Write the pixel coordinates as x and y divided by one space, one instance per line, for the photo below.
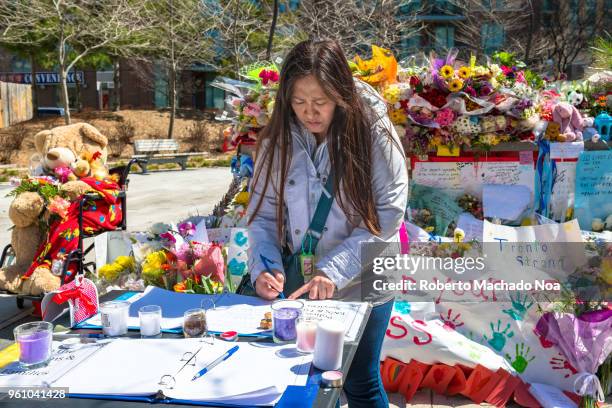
232 312
257 374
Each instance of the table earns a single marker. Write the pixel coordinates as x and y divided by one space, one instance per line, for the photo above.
326 397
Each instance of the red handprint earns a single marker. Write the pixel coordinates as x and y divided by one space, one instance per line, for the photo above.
545 343
561 363
451 323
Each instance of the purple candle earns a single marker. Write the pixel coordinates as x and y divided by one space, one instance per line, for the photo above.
284 318
34 341
284 324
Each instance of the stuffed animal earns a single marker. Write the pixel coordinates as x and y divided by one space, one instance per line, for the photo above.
575 98
570 122
58 148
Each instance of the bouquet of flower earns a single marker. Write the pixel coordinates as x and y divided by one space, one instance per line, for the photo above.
251 102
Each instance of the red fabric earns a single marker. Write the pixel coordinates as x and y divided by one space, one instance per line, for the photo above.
98 215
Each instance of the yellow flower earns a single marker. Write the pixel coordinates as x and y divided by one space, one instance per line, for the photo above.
479 70
110 272
397 116
447 71
242 198
391 94
126 262
455 85
152 266
458 235
606 270
464 72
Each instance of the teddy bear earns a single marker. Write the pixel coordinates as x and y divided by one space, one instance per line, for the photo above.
57 148
570 122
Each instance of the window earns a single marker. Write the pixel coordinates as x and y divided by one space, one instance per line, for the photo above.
20 65
215 97
492 37
444 37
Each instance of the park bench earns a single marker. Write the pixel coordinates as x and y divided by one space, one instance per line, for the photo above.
159 151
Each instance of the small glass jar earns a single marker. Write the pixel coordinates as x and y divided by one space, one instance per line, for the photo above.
114 316
284 317
150 321
194 323
35 343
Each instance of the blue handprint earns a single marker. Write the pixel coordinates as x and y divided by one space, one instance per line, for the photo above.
498 340
519 307
236 268
241 239
402 306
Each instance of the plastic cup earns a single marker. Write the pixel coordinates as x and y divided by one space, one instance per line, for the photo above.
306 330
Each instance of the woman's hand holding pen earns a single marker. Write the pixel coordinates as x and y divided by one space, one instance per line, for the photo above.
269 285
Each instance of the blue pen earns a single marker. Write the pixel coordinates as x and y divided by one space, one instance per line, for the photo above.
59 336
269 270
209 367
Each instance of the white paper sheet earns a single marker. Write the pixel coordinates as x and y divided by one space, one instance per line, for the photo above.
505 202
257 372
62 361
471 225
550 397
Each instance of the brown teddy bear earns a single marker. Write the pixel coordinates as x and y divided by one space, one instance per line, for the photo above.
55 147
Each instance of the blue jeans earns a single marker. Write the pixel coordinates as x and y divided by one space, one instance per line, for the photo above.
363 386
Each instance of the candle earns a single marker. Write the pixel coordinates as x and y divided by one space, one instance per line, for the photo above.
150 321
114 316
34 341
284 316
306 334
329 345
194 323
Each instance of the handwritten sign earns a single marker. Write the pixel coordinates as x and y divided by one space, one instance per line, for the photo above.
593 187
461 177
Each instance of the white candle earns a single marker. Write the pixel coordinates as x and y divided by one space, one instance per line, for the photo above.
150 325
329 345
306 334
114 316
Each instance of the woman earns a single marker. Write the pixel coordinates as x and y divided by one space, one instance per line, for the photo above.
329 136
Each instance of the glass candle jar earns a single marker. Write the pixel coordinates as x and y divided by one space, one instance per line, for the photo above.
35 343
284 318
194 323
114 316
150 321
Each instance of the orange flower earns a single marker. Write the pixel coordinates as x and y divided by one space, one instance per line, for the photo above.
179 287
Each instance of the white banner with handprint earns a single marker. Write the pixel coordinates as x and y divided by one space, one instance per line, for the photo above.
482 329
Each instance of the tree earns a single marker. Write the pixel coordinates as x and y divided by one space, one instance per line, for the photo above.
356 24
181 36
77 27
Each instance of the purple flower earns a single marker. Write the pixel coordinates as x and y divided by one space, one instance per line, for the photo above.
486 89
185 254
186 228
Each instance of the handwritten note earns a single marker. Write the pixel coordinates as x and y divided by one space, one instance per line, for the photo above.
566 150
442 206
593 187
562 195
461 177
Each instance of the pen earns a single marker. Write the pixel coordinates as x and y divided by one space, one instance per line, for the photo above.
61 336
209 367
269 270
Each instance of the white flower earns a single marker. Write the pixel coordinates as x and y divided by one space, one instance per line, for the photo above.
495 70
159 228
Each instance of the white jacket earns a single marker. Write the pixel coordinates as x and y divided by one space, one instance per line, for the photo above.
338 251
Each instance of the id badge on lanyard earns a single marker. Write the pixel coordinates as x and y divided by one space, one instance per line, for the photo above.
307 260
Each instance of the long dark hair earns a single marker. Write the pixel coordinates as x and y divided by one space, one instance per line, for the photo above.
349 137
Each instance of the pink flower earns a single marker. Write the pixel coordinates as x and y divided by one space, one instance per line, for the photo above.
268 75
168 237
62 173
444 117
520 77
186 228
252 109
15 181
506 70
59 206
